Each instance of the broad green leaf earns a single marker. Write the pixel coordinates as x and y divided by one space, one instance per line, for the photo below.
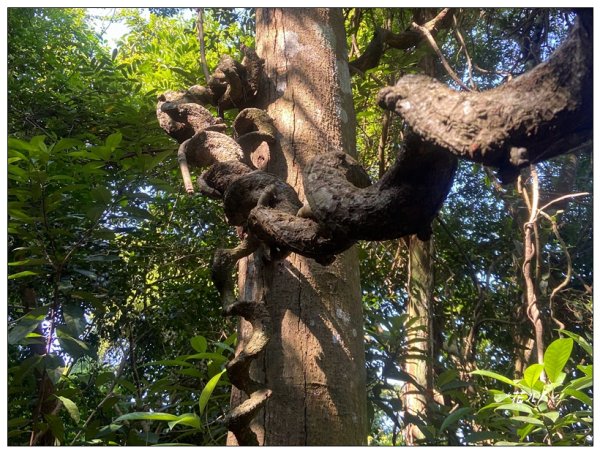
532 420
71 408
207 356
223 346
454 417
26 325
73 346
552 415
113 140
56 426
191 372
520 407
186 419
101 194
20 215
89 274
29 262
66 143
579 340
208 390
85 155
102 258
199 343
532 374
586 369
579 395
556 357
74 316
38 142
15 143
494 375
22 274
159 416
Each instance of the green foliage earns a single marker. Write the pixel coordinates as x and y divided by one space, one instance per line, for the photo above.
104 276
548 406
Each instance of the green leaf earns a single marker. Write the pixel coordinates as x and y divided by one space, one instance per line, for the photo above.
26 325
454 417
578 395
85 155
532 374
74 316
20 215
89 274
586 369
22 274
186 419
199 343
160 416
533 421
71 408
520 407
191 372
73 346
15 143
29 262
556 357
101 194
56 426
552 415
208 390
494 375
207 356
113 140
579 340
102 258
66 143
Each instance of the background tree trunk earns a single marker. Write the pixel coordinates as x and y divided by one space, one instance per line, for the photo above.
314 362
419 363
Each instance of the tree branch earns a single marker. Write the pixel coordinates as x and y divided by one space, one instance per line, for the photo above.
405 40
438 52
543 113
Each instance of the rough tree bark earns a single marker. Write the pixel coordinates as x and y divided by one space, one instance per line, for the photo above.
314 362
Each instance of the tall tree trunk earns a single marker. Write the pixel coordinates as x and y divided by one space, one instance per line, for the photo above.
419 363
420 339
314 363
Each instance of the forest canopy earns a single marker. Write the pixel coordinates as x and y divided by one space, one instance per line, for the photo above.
115 328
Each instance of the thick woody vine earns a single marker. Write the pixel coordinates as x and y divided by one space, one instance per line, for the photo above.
343 206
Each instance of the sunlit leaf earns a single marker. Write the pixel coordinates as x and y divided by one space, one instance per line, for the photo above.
71 408
208 390
556 356
494 375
